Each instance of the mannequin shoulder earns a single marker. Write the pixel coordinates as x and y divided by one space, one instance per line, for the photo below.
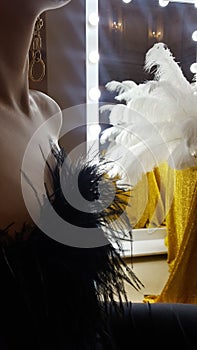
47 106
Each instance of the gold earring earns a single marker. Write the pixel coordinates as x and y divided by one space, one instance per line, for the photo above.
36 53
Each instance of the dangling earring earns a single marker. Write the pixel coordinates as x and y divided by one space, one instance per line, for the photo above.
36 54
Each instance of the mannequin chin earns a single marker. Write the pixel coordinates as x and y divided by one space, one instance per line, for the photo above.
59 3
45 5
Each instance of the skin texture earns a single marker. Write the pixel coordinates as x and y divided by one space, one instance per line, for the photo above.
22 111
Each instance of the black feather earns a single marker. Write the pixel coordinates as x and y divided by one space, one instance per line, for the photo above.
63 292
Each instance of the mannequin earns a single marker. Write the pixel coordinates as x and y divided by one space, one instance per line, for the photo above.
55 296
23 110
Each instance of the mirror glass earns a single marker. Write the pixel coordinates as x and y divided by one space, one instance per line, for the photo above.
126 32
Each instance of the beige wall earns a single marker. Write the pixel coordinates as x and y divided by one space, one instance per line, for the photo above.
153 272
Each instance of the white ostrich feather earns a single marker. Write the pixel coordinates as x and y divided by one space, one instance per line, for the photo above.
152 108
185 154
120 87
181 157
109 135
167 69
131 116
136 91
106 107
158 99
139 159
189 129
123 115
158 123
135 154
116 114
155 100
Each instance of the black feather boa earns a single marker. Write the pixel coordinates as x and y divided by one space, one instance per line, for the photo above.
55 296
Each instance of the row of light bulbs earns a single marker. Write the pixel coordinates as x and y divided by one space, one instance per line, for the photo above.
193 67
92 54
92 78
164 3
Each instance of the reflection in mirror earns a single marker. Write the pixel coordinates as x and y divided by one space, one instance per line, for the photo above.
127 31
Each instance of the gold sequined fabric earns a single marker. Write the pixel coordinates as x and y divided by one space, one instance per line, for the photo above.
147 204
181 225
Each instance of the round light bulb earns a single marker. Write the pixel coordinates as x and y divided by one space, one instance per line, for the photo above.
94 131
126 1
93 19
193 68
163 3
94 94
194 35
94 56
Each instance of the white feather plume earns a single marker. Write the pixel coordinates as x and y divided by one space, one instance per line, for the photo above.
166 67
116 86
157 123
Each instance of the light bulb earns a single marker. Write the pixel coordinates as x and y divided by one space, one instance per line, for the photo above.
94 56
126 1
94 94
93 131
193 68
163 3
194 35
93 19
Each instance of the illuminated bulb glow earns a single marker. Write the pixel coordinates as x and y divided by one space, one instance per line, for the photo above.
116 25
163 3
93 131
94 94
193 68
194 35
92 74
94 56
126 1
93 19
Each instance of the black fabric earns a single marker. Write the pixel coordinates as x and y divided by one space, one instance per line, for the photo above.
48 296
155 326
142 325
54 295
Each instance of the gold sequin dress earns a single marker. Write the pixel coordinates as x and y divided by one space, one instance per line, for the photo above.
181 224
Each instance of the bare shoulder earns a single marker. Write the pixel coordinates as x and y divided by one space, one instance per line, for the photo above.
46 109
47 105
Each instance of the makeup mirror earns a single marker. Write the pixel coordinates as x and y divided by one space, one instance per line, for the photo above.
127 30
